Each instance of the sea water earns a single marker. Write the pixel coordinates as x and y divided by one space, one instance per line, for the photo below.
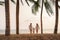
25 31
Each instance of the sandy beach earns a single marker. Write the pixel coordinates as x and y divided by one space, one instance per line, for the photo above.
31 37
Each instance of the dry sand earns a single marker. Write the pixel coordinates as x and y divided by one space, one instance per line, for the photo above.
31 37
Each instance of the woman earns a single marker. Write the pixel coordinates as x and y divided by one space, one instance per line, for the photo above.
37 27
30 28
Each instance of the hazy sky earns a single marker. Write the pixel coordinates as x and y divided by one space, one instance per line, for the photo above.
26 17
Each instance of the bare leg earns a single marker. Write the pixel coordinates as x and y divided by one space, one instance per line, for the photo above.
33 30
30 32
36 31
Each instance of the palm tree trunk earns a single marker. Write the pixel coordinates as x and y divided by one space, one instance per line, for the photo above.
41 18
7 13
17 17
56 21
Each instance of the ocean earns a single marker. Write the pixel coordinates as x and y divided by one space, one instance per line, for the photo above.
25 31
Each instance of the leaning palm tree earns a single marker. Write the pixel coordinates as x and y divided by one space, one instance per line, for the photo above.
36 6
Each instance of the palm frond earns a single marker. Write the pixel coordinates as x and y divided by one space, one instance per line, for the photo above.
27 2
35 7
52 2
48 8
58 6
22 2
2 3
58 0
13 1
38 1
32 1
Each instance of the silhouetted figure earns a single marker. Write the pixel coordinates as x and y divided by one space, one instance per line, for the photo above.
33 30
30 27
37 27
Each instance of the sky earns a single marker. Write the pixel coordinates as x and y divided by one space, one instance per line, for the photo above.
26 17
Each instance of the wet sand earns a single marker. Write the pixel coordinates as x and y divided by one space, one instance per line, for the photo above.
31 37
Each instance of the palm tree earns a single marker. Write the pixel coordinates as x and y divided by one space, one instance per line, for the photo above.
57 14
17 17
47 6
56 21
7 13
41 18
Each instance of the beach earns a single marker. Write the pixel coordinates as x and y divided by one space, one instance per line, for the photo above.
31 37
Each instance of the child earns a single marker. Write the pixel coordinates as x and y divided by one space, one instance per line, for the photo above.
33 30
